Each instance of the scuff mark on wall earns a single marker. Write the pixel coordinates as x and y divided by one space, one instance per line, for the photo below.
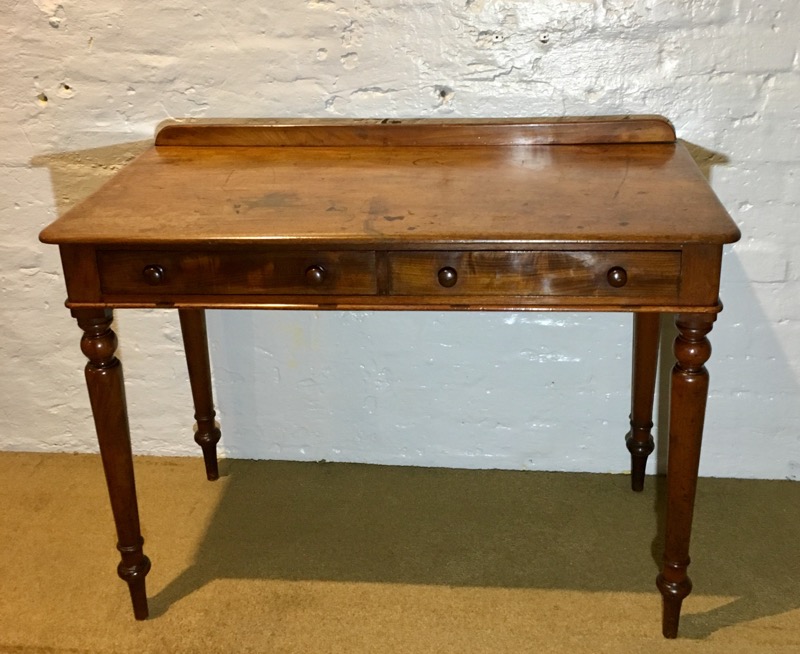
54 11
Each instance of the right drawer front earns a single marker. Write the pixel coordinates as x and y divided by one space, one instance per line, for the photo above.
653 274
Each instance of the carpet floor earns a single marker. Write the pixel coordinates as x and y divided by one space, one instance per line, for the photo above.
321 557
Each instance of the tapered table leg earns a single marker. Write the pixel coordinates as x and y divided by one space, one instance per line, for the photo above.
107 396
646 332
195 343
687 413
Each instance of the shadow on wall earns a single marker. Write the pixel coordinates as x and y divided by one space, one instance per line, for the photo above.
488 528
705 159
76 175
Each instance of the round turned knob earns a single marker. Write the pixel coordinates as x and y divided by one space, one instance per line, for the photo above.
154 274
315 274
617 277
447 277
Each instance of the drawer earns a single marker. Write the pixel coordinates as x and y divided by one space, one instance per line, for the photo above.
549 273
157 273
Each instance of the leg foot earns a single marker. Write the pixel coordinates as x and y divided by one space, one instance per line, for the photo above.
641 446
134 575
207 438
672 596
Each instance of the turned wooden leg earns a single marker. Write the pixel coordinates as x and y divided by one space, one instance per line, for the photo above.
646 330
687 412
195 343
107 397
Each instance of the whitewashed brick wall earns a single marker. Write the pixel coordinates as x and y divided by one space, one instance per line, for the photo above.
84 85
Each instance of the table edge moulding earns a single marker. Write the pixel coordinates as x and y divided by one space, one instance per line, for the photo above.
606 213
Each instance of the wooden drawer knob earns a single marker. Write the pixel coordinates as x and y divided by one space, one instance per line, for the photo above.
315 274
617 277
154 274
447 277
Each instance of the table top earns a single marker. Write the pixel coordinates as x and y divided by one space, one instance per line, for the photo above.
495 184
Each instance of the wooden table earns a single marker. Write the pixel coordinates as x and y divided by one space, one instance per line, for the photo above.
586 214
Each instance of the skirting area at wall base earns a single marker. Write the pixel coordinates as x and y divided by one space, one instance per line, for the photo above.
309 557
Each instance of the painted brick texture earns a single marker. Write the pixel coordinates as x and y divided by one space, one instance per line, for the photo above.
86 83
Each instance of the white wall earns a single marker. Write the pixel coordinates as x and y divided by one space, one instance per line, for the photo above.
84 85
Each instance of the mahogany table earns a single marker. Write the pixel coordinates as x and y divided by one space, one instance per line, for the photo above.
578 214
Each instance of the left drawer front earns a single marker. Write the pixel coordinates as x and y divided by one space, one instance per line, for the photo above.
159 273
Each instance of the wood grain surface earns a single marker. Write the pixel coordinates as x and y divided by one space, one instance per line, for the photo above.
368 196
415 132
